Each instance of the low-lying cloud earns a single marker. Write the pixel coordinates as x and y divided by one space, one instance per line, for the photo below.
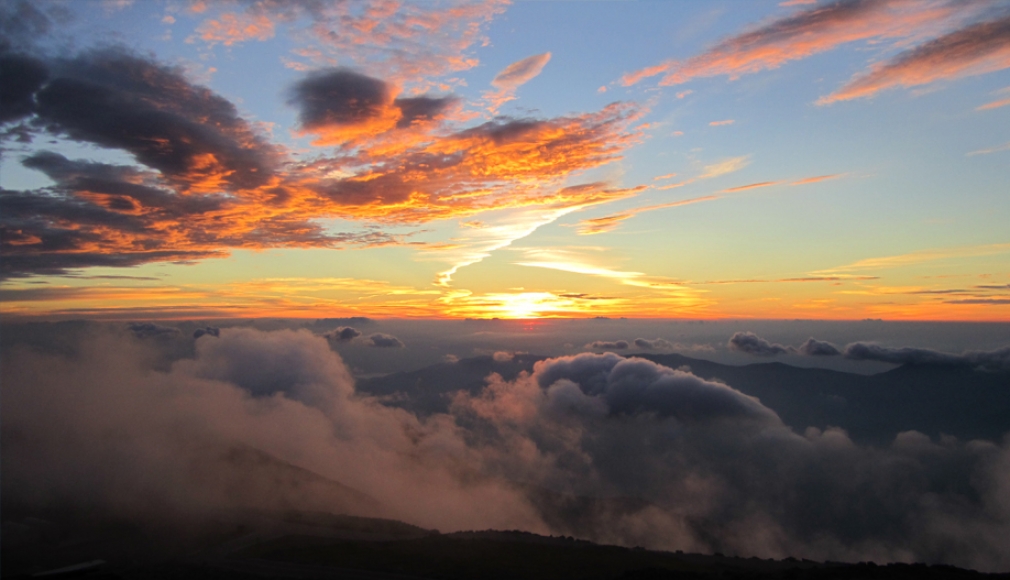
384 341
182 433
711 469
750 343
997 360
343 334
654 344
608 345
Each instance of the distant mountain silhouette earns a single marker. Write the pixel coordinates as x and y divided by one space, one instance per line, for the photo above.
932 399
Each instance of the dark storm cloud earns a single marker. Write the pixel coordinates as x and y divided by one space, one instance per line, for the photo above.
608 345
123 101
96 214
20 77
51 232
505 131
422 108
152 330
750 343
23 22
343 334
388 189
384 340
201 166
338 97
119 183
656 344
813 347
59 263
60 212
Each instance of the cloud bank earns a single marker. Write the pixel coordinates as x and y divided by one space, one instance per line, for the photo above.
711 468
993 360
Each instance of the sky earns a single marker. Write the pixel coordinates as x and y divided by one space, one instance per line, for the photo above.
798 160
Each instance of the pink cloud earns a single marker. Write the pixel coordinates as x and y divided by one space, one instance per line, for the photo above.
800 35
977 49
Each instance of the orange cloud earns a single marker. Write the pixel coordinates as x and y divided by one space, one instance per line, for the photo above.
919 257
231 28
277 297
721 123
499 164
402 41
981 48
993 105
751 186
674 185
800 35
514 76
816 179
211 182
634 78
608 223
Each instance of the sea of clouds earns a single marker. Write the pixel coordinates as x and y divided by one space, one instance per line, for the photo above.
109 426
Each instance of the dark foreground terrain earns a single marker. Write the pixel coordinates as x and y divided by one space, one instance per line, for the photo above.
300 545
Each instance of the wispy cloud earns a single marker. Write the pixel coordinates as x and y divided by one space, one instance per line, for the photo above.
816 179
722 123
751 186
972 41
514 76
608 223
725 167
800 35
997 149
980 48
913 258
669 288
611 222
477 244
993 105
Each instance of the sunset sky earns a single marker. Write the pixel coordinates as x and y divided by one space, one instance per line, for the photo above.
828 160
